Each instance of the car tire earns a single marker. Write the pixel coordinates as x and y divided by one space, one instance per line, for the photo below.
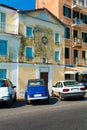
52 93
28 102
47 101
60 97
81 98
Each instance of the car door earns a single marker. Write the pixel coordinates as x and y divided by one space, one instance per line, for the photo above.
12 91
59 88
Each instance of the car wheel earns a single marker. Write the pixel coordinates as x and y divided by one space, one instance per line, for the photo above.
28 102
81 98
52 94
47 101
60 97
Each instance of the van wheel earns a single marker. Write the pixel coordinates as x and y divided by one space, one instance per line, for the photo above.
15 98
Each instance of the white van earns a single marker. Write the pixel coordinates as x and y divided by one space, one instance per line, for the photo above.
7 92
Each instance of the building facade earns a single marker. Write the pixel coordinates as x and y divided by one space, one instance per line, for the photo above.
74 14
32 45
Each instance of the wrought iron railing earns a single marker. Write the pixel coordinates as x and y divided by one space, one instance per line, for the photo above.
79 61
78 2
77 41
77 21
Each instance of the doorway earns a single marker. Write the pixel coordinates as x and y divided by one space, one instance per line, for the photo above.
44 75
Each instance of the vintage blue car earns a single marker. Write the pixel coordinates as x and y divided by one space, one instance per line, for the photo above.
36 90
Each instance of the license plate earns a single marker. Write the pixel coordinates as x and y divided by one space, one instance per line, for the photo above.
74 89
37 95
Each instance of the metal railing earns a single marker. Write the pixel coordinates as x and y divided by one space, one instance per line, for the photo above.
8 28
79 61
77 41
77 21
78 2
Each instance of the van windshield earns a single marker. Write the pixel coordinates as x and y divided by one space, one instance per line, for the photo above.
3 83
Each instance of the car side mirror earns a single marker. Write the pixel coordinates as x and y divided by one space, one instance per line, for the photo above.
14 87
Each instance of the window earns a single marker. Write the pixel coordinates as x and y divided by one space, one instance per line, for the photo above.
57 37
75 33
67 32
67 53
29 52
3 47
57 56
66 11
75 53
84 18
2 21
84 37
29 32
3 73
83 54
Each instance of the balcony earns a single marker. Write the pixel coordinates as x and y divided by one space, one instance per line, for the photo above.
77 23
79 61
78 4
8 28
77 42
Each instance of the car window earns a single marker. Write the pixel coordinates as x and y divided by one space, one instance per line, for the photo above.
59 85
70 83
3 83
36 83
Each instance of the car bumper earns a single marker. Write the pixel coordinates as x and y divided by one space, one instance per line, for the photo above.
4 99
37 98
68 95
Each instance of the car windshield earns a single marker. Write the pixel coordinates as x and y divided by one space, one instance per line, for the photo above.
3 83
70 83
36 83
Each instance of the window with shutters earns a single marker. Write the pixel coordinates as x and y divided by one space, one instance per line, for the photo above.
67 32
57 37
3 48
56 55
29 52
3 73
84 37
29 31
66 11
84 18
2 21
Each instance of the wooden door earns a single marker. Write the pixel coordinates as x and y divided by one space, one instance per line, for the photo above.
44 75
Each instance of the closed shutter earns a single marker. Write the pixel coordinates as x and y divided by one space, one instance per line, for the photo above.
29 31
56 55
29 52
3 73
3 47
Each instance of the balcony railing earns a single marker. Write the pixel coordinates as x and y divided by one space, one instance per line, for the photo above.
78 4
77 42
77 22
8 28
79 61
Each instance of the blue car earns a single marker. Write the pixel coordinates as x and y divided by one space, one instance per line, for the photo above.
36 90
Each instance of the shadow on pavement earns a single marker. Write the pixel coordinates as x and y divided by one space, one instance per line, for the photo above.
52 101
21 103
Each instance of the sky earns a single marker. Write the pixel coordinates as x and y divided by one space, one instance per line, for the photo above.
20 4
